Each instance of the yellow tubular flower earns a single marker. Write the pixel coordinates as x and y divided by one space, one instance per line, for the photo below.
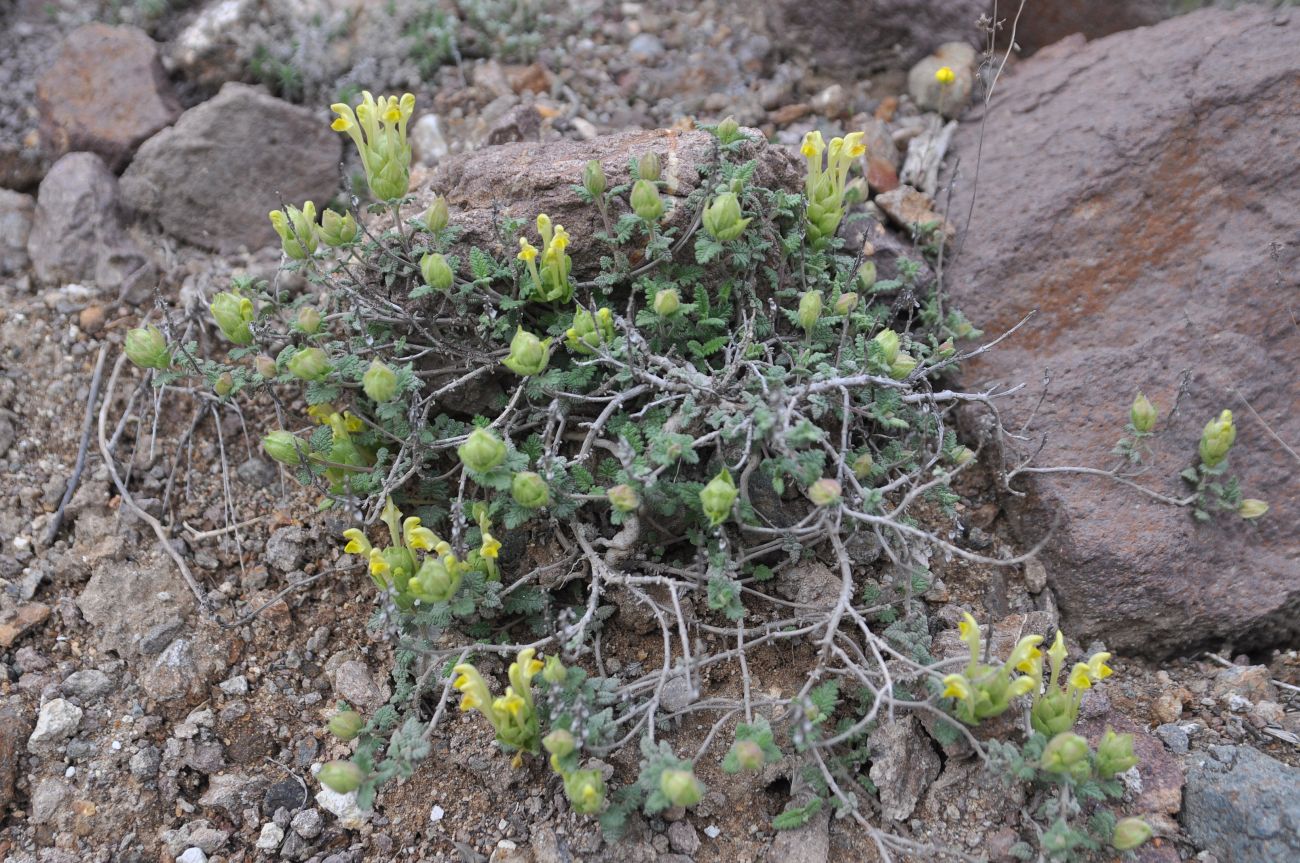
956 686
418 538
521 673
491 546
1098 670
854 146
378 566
357 542
474 691
1056 653
392 516
1021 686
527 251
353 423
969 630
1079 677
1026 656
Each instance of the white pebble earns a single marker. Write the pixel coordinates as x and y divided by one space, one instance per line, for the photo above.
436 814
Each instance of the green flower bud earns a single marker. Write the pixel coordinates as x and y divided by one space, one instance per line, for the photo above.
810 310
146 347
585 791
434 581
341 776
681 787
648 167
560 743
309 364
867 274
749 755
438 215
1130 833
336 230
554 672
284 447
902 366
265 366
528 354
888 341
1053 713
297 230
646 202
224 384
962 454
862 465
717 497
1142 414
346 724
1066 753
529 490
623 498
482 451
728 131
589 331
846 303
1252 508
946 349
667 302
824 492
436 271
593 178
1217 439
722 219
379 382
233 314
309 320
1114 754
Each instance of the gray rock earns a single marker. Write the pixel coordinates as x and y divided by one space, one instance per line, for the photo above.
124 603
47 799
354 683
286 794
208 757
645 46
232 792
89 684
237 685
810 843
683 838
284 548
343 807
16 213
270 837
930 94
77 233
192 855
1174 737
1243 805
240 154
903 764
144 764
57 721
307 823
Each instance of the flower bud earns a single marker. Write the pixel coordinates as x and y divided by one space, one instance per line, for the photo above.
379 382
554 672
623 498
648 167
1217 439
337 230
902 366
962 454
667 302
1067 752
528 354
593 178
146 347
1114 754
888 341
681 787
946 349
846 303
824 492
729 131
1053 712
1252 508
1130 833
436 271
1142 414
233 314
559 743
529 490
810 310
862 465
346 724
722 219
265 366
749 755
945 76
284 447
341 776
482 451
309 320
717 497
585 791
646 202
223 385
297 230
589 331
309 364
437 216
867 274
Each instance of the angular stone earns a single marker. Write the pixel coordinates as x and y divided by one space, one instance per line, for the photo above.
1243 805
913 210
105 92
212 178
124 602
14 625
57 721
903 764
16 213
1147 233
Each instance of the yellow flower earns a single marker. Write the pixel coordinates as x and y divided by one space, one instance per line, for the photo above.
1079 677
945 76
1026 656
491 545
1097 668
357 542
342 123
378 566
527 251
474 691
956 686
510 704
813 145
417 538
853 145
1022 685
560 241
352 423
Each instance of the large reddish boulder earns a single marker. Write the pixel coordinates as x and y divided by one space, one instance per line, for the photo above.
1140 193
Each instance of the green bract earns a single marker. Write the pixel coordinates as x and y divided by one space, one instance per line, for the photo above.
309 364
528 354
233 313
436 271
146 347
722 218
379 382
482 451
717 497
529 490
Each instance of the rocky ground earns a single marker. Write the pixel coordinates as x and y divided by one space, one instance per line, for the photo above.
139 146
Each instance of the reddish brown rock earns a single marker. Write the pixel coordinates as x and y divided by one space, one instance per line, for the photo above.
912 210
20 621
1046 21
1153 227
15 726
105 93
